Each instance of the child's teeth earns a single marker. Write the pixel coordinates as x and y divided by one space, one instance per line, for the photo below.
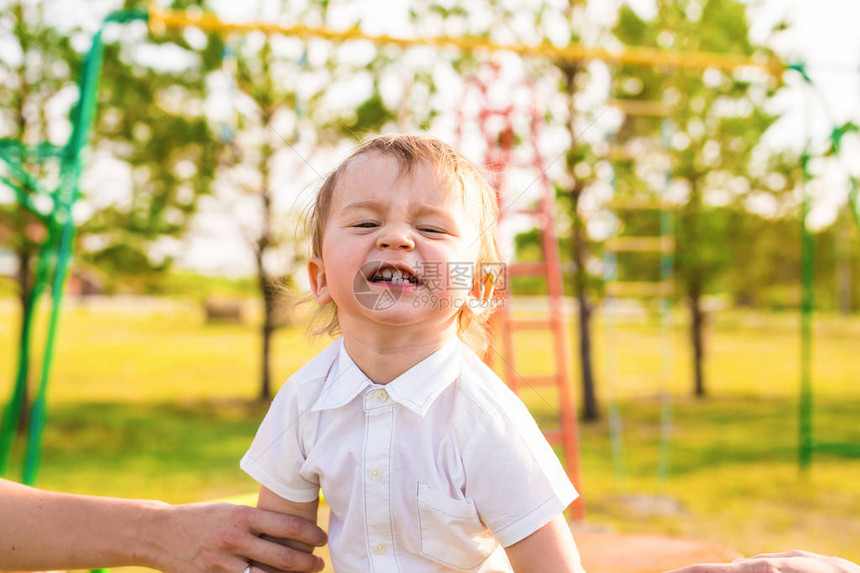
396 280
386 274
397 275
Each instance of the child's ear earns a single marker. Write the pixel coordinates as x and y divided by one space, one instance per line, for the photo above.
319 284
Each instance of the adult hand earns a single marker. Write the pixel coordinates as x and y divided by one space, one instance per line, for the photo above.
225 538
790 562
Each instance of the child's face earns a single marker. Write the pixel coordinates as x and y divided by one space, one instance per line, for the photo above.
381 220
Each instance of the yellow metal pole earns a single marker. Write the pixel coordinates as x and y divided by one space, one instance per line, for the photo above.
162 18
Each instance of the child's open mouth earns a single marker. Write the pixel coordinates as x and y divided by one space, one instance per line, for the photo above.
395 277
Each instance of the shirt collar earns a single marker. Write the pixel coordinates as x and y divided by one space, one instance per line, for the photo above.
415 389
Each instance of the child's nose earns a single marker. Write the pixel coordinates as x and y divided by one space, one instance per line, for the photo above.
395 239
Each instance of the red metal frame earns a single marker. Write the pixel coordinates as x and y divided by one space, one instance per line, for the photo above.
499 141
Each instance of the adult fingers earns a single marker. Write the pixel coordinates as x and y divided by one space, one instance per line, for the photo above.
273 557
291 527
794 553
219 563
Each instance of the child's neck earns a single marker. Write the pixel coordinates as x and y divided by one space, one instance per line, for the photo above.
384 356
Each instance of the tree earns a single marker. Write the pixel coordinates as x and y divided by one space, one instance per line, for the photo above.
573 76
151 117
717 120
39 67
258 140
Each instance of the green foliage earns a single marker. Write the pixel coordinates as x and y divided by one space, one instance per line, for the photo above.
152 120
710 139
370 116
145 118
36 64
124 260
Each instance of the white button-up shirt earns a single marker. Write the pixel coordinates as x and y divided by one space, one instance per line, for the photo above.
437 470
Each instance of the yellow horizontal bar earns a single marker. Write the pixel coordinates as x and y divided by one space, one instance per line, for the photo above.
161 18
638 289
640 244
639 203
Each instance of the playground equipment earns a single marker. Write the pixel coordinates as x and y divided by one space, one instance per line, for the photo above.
500 130
56 250
657 288
808 443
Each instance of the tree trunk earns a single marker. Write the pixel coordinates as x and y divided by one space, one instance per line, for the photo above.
579 250
266 332
24 250
697 336
24 279
590 411
264 278
264 283
694 273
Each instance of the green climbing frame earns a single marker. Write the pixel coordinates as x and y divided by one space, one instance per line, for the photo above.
808 442
663 245
56 249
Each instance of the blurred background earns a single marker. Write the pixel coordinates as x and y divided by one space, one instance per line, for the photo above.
685 333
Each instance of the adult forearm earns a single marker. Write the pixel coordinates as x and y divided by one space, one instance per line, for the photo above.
48 530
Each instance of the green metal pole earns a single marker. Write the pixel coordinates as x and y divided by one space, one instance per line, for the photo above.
854 199
806 308
66 195
12 414
38 413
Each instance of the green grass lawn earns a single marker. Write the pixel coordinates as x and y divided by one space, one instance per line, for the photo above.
149 401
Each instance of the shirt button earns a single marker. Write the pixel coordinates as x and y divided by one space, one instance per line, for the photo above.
374 474
379 549
380 396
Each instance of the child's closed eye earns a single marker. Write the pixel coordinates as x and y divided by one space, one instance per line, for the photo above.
431 230
366 225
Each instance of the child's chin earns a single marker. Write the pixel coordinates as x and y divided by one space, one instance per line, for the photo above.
400 311
403 312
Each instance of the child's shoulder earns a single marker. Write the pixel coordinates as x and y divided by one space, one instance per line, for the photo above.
484 392
306 383
317 368
488 414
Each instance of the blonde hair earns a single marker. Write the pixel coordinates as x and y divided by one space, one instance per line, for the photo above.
479 202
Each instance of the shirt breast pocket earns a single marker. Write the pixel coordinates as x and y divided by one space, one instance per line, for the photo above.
451 531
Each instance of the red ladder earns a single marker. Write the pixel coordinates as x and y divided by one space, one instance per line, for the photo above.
496 123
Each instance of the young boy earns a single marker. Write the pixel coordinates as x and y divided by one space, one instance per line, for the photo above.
426 459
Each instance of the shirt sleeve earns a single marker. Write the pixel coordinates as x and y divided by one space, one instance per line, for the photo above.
512 474
277 453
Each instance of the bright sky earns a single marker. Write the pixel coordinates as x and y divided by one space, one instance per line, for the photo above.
824 35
